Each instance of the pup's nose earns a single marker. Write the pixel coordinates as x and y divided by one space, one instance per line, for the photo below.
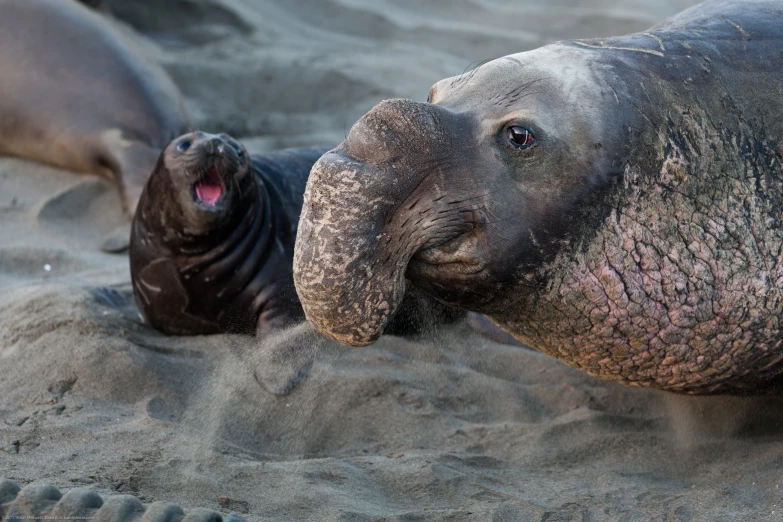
216 146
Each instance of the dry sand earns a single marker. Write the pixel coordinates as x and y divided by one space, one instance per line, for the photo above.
451 427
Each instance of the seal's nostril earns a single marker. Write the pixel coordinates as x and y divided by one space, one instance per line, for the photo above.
215 146
393 128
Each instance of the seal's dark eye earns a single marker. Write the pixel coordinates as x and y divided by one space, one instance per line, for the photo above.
239 150
520 137
183 145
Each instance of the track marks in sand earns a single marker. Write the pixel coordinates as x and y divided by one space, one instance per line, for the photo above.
81 215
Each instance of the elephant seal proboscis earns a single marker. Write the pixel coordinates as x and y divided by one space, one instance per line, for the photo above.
613 203
77 94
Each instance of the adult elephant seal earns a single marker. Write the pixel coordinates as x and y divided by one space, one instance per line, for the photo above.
613 203
76 94
212 242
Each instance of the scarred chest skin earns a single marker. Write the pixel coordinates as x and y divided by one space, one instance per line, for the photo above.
679 288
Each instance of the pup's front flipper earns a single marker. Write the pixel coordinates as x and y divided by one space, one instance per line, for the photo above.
165 301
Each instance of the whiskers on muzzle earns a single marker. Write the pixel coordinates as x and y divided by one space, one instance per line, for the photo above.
198 165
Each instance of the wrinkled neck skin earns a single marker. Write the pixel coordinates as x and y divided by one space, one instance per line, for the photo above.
679 287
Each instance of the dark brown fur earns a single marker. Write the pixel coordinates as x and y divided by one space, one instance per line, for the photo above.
227 269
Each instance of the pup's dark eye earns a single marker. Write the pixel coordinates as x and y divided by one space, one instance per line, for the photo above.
239 150
183 145
520 137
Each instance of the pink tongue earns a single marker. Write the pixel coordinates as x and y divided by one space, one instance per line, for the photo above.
209 194
210 188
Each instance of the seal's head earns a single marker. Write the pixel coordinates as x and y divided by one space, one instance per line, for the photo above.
198 184
465 196
199 201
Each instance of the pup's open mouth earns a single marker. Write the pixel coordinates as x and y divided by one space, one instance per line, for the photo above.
209 188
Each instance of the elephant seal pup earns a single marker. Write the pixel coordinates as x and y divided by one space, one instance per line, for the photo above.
613 203
76 94
212 241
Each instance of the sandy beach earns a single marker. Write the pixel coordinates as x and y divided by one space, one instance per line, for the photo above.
445 427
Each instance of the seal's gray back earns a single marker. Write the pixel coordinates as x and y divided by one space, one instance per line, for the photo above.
741 45
722 58
762 18
67 75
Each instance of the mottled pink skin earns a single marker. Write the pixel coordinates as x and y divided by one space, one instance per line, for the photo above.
670 293
680 288
640 242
